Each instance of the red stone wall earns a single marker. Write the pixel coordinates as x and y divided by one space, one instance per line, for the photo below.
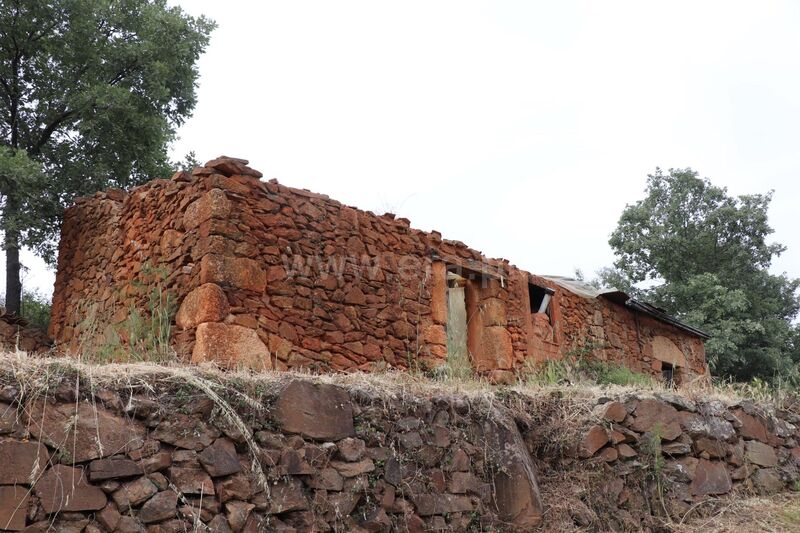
268 276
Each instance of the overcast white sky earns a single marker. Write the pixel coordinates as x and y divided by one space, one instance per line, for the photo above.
521 128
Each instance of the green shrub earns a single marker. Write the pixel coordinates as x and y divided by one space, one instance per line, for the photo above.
35 308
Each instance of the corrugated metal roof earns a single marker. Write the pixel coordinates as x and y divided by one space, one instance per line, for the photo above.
583 289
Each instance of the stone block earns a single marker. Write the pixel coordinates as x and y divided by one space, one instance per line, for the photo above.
497 351
230 346
315 410
494 312
235 272
66 489
206 303
213 204
83 432
13 508
21 462
710 477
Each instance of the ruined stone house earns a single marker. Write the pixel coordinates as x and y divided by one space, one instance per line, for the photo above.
269 276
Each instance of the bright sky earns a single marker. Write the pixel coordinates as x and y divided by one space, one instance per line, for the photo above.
521 128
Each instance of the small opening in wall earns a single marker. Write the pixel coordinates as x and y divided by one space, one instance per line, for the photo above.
540 299
668 374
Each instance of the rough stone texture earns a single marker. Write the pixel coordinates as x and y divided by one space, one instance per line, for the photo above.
113 468
132 493
13 508
159 507
206 303
233 272
595 438
220 459
760 454
230 346
17 334
323 285
21 462
516 491
93 433
405 461
652 415
614 411
318 411
710 477
66 489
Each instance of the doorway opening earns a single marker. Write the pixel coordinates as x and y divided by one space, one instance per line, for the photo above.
458 359
668 374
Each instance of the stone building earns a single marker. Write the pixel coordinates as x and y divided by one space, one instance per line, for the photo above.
268 276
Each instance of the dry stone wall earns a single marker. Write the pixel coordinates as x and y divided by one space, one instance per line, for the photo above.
267 276
708 449
302 457
157 453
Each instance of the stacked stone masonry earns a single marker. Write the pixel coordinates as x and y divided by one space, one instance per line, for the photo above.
158 455
271 277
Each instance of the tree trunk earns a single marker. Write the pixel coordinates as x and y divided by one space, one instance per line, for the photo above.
13 282
11 245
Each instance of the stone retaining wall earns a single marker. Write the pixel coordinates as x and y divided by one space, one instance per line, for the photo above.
157 454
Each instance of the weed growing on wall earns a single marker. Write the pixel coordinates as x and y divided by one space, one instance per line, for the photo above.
144 335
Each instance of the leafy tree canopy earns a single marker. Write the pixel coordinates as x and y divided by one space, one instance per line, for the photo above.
704 256
92 91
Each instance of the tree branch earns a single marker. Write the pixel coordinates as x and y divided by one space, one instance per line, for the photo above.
48 131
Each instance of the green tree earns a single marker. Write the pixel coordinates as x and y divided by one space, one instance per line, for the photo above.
704 257
91 93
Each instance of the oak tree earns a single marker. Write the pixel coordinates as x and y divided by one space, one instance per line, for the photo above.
91 94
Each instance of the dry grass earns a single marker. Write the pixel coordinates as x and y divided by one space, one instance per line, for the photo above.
750 515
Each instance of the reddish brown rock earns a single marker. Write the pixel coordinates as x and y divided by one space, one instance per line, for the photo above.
626 452
133 493
230 346
190 480
287 495
710 477
440 504
353 469
82 432
614 412
351 449
317 411
206 303
439 292
595 439
101 469
213 204
515 490
184 431
752 427
66 489
13 508
160 507
231 166
220 459
236 272
10 421
760 454
653 416
108 517
21 462
497 350
238 513
609 455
